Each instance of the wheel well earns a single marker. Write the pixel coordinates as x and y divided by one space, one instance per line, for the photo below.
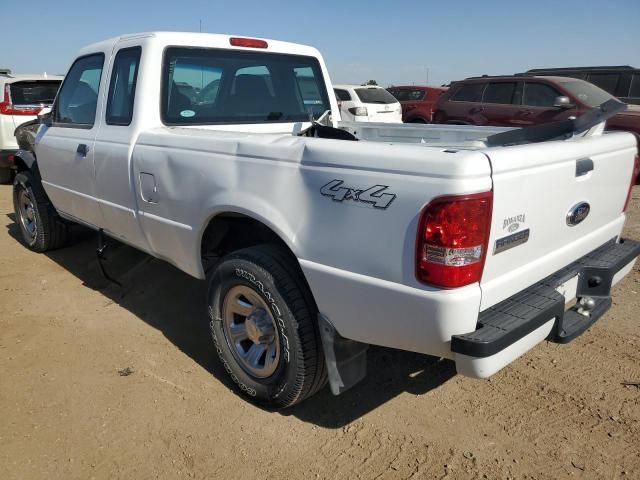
229 232
20 164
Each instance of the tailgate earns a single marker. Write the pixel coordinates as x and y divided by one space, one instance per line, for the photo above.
553 203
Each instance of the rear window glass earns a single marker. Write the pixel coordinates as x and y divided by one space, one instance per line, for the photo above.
469 93
501 92
375 95
209 86
34 92
407 95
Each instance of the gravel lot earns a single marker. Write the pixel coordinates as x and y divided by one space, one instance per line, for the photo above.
97 384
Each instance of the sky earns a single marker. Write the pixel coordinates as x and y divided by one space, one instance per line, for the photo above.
392 42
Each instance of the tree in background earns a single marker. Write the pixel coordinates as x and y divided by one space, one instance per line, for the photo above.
371 82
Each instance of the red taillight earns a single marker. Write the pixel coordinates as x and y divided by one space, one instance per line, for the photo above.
452 239
634 175
248 42
6 108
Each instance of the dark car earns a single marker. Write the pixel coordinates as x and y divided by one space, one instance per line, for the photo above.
518 101
417 102
620 81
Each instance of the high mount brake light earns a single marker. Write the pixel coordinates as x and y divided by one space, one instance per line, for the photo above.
453 238
634 175
7 108
248 42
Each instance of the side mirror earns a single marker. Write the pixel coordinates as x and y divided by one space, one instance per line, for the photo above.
45 116
562 102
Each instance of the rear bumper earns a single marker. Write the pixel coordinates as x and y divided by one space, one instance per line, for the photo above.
512 327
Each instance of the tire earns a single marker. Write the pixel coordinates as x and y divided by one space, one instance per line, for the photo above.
418 120
278 317
41 227
5 175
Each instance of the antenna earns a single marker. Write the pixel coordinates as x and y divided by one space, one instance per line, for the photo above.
200 25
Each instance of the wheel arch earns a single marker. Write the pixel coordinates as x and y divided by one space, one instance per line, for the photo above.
233 229
26 160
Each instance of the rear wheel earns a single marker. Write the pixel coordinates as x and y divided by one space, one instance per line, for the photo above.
418 120
264 328
41 227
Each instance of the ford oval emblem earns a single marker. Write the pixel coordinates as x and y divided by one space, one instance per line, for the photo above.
577 213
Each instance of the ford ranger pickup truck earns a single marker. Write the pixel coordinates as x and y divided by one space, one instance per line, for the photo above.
227 157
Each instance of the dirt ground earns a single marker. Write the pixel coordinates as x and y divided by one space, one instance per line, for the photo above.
69 408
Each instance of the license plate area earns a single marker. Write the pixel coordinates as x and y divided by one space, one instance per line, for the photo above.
568 289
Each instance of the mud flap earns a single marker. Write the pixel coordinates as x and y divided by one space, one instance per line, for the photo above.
346 359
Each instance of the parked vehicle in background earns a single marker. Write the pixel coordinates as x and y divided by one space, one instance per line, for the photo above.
370 103
622 81
22 97
517 101
417 102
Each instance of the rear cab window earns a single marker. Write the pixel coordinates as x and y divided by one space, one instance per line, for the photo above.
213 86
375 95
122 88
471 92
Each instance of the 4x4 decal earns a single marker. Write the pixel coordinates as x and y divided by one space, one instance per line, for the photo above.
372 195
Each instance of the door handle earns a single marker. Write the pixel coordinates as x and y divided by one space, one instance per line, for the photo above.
82 150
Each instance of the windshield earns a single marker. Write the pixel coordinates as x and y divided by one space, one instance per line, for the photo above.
375 95
34 92
210 86
588 93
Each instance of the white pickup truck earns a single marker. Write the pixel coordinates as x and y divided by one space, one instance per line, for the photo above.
226 157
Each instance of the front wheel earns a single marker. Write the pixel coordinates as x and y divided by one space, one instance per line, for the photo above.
264 329
41 227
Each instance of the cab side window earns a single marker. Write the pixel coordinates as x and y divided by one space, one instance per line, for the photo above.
540 95
78 97
122 88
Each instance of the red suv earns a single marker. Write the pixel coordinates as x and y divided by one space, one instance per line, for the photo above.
417 102
522 100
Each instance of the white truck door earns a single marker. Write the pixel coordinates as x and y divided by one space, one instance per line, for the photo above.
64 149
115 185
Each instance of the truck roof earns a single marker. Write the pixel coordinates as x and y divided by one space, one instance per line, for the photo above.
207 40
